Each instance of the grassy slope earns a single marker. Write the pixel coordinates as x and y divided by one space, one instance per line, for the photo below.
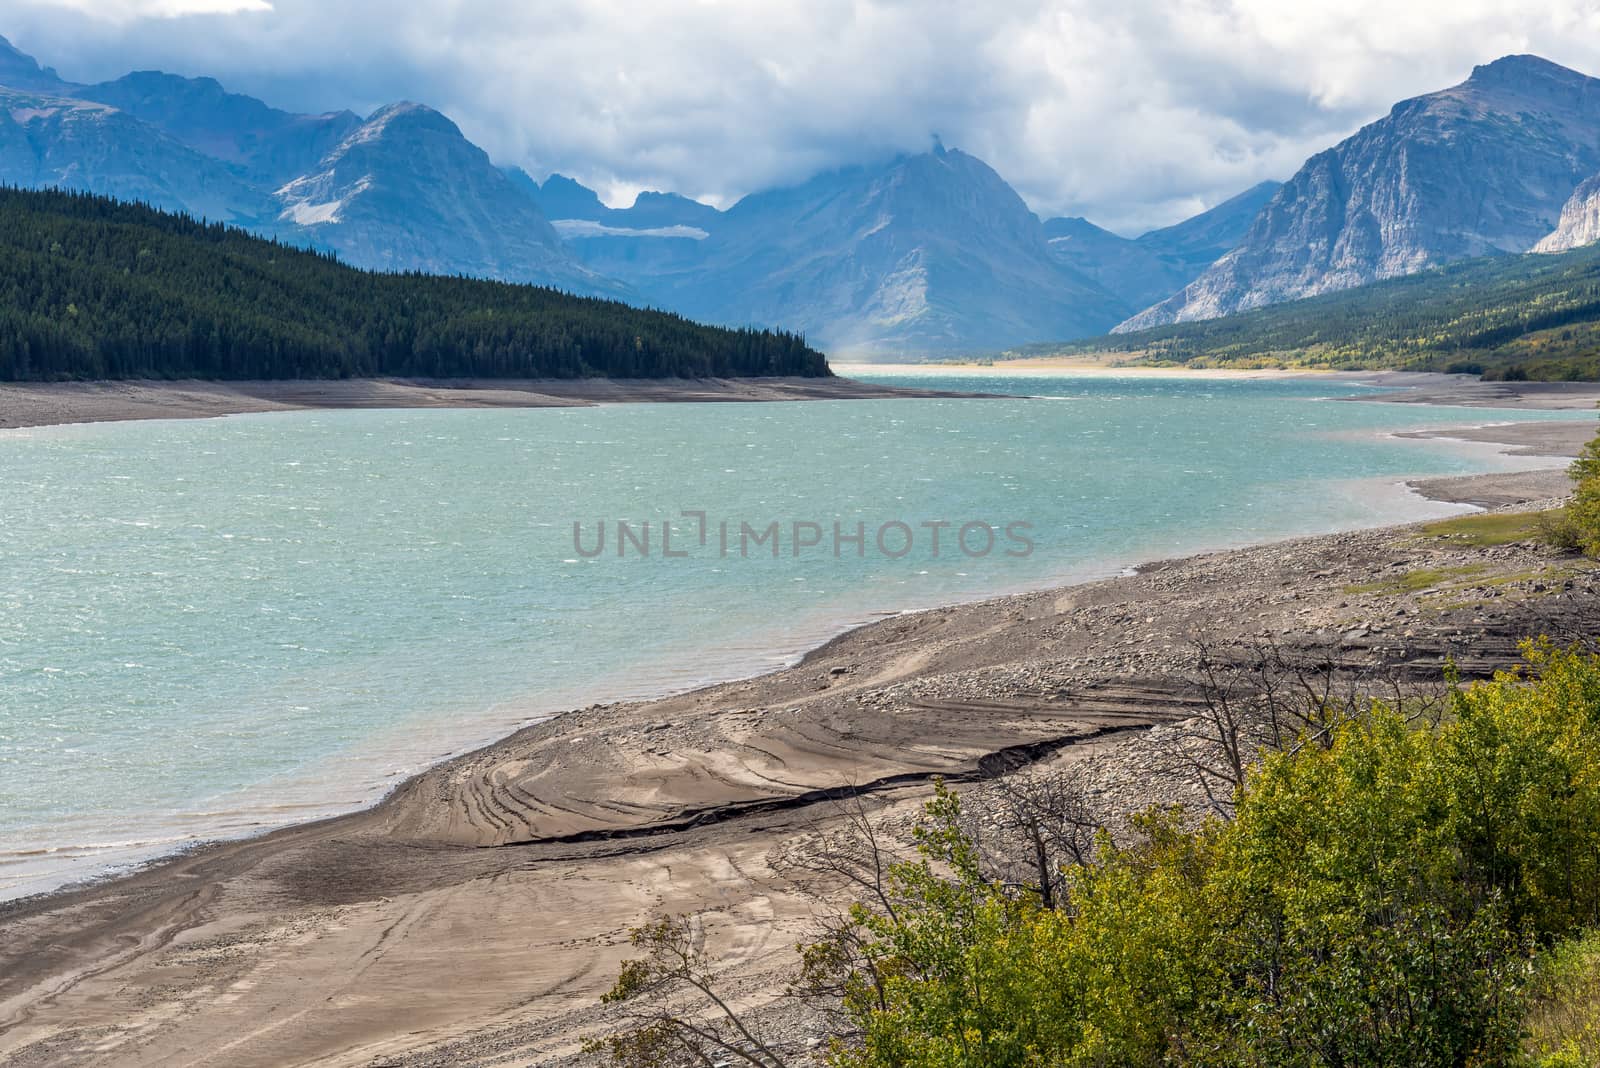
1529 316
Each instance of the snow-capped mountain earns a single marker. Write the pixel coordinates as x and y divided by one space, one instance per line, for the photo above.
405 191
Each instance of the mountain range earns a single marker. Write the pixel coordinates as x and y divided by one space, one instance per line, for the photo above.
923 253
919 254
931 252
1484 167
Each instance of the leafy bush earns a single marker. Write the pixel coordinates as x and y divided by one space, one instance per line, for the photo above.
1582 521
1564 1020
1375 901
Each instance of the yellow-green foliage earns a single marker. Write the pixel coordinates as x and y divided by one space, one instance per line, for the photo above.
1377 900
1583 514
1420 579
1564 1018
1492 528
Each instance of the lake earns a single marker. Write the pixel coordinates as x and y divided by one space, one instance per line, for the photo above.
213 627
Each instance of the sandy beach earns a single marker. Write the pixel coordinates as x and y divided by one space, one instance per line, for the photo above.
475 916
45 404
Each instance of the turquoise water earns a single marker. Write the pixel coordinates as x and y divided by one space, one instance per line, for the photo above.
212 627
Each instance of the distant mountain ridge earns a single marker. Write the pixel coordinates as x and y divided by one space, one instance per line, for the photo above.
930 253
68 143
402 190
19 71
268 145
463 215
1482 167
1154 265
924 253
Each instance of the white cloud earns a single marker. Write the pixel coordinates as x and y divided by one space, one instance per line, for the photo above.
1133 112
121 11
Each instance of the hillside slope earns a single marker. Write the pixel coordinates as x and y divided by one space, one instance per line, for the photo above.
1529 316
94 288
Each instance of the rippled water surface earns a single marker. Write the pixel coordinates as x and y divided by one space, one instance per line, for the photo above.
211 627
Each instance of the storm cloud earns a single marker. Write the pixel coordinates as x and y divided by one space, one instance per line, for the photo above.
1134 113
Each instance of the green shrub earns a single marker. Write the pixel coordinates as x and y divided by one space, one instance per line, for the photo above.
1583 514
1375 901
1564 1015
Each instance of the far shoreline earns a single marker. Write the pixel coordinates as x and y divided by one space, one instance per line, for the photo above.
40 404
1406 387
37 404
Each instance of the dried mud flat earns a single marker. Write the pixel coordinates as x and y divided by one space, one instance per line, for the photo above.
475 916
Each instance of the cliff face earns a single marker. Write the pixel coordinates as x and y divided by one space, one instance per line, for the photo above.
1482 167
1580 220
60 142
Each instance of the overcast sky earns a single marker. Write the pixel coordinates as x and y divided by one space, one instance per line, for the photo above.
1135 113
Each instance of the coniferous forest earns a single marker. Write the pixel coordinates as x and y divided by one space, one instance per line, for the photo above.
93 288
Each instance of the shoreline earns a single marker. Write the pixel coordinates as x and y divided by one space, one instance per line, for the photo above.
26 404
109 862
1410 387
1556 438
604 814
1490 490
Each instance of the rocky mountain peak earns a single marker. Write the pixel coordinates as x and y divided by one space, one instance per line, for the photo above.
1479 168
18 70
1524 72
408 119
567 198
923 253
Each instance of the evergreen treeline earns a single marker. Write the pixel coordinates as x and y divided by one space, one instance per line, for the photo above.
1532 316
92 288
